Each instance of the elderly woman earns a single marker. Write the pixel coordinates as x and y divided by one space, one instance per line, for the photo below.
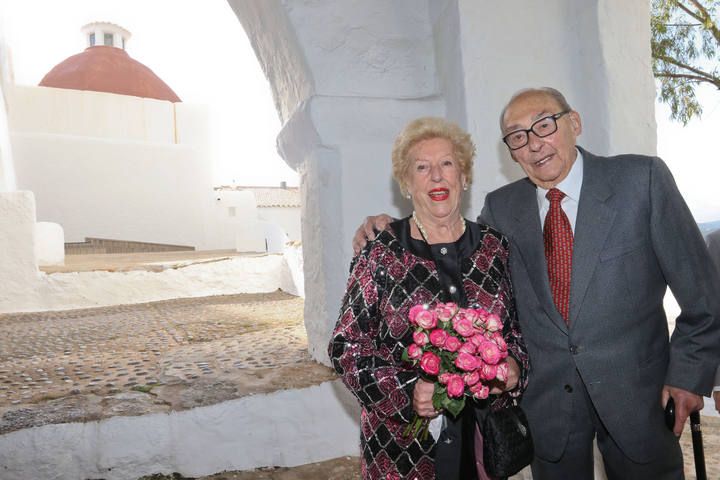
433 256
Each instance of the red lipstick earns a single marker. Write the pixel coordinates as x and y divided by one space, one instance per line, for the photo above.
439 194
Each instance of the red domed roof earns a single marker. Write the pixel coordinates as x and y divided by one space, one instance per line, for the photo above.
108 69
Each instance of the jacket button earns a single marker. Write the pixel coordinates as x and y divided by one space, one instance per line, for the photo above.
568 388
574 349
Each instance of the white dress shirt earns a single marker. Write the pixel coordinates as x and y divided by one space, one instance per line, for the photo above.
570 186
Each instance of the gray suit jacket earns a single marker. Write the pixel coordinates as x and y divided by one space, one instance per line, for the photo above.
634 236
713 244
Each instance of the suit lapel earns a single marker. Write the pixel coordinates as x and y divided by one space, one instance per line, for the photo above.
528 237
592 226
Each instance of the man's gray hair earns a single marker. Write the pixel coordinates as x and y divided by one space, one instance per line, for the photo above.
549 91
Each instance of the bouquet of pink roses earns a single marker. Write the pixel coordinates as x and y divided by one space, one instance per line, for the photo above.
461 350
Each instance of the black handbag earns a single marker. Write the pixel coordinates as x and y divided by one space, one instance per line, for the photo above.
507 442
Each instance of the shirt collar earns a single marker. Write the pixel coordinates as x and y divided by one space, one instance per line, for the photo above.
571 185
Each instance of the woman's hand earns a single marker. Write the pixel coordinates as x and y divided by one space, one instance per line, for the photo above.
512 380
422 399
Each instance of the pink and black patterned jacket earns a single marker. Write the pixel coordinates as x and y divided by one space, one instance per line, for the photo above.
393 273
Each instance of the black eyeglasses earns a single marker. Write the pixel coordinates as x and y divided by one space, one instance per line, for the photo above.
541 128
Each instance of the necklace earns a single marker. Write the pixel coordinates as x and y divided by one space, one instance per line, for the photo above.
422 229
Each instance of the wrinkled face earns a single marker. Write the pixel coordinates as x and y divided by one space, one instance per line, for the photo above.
547 160
434 179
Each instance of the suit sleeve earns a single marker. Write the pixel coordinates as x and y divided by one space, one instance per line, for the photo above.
513 336
693 280
371 374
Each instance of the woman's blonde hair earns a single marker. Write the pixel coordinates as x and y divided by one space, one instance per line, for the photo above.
426 128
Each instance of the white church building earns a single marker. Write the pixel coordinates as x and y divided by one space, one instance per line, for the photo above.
111 152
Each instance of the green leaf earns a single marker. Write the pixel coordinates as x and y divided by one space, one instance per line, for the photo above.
685 47
454 405
439 396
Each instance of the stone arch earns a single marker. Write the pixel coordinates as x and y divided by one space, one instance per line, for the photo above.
346 76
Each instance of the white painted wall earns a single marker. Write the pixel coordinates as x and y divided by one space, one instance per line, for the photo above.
7 171
49 244
107 188
83 113
288 218
588 50
18 264
115 166
285 428
64 291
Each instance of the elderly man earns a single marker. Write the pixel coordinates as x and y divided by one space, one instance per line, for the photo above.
595 241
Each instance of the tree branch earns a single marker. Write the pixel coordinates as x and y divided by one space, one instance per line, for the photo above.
685 76
690 12
704 18
709 77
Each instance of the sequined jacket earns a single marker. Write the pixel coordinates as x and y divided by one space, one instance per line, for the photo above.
386 279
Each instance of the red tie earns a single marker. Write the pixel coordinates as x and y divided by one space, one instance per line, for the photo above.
558 252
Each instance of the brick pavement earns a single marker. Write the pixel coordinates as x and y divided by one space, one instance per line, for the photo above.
133 359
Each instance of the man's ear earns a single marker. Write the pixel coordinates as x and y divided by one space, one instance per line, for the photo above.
575 122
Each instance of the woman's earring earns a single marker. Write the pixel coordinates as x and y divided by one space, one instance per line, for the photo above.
465 187
408 196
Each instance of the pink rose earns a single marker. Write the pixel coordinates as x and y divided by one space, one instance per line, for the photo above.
430 363
438 337
466 362
478 339
489 352
445 311
499 341
452 344
414 351
420 338
414 311
468 347
493 323
455 386
480 390
471 378
488 372
426 319
444 377
502 372
463 325
481 317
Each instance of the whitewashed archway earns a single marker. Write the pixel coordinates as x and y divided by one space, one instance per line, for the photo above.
346 76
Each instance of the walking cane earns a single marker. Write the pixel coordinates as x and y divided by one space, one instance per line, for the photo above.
698 450
696 431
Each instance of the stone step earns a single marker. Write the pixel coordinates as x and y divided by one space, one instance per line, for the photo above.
104 245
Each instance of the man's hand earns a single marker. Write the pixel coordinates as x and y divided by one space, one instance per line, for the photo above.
685 403
512 380
716 397
365 232
422 399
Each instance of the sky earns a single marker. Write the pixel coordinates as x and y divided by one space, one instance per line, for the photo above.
212 63
691 152
198 47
